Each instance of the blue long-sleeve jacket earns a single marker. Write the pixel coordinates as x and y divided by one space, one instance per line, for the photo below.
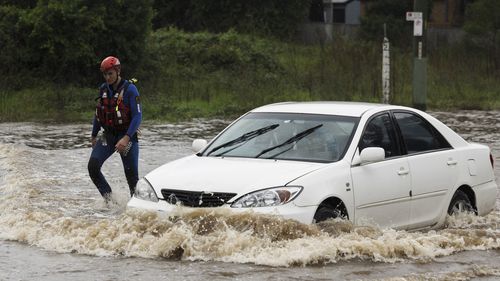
132 101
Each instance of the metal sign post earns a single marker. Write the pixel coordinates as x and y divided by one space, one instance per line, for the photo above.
386 68
418 17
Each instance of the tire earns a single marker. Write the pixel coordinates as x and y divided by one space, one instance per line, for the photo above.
327 211
460 203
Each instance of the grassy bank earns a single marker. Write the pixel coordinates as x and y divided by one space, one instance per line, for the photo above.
47 103
224 75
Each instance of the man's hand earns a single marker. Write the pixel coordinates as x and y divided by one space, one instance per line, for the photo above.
122 144
93 140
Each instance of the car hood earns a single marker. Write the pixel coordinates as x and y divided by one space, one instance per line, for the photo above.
235 175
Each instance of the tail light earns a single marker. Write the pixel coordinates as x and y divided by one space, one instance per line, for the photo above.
492 161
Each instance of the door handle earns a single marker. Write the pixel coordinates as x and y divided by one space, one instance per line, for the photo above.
452 162
403 172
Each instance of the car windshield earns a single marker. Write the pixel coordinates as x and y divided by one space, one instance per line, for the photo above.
287 136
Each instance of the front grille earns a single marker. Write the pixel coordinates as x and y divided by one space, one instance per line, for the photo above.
196 198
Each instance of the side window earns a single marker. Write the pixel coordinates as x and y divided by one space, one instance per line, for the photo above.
418 134
379 132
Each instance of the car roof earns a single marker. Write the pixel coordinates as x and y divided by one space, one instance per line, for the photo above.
354 109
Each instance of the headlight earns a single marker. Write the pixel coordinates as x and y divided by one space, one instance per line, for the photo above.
144 191
268 197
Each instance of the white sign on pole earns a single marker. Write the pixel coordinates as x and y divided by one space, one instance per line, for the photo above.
418 27
418 22
411 16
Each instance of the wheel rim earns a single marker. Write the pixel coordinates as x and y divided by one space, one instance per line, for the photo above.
461 206
329 213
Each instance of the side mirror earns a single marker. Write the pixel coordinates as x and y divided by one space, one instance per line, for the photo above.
198 145
372 154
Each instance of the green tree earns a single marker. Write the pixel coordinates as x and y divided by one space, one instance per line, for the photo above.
19 3
60 39
392 13
264 17
127 26
171 13
10 41
64 41
483 25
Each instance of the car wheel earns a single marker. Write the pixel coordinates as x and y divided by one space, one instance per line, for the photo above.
327 211
460 203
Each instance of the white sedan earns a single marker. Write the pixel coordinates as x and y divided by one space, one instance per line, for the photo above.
389 165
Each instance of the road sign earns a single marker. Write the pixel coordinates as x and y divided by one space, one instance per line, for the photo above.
412 16
418 27
418 22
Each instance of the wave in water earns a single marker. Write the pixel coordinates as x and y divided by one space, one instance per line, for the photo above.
37 210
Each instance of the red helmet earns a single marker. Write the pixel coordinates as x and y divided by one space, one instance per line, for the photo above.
110 62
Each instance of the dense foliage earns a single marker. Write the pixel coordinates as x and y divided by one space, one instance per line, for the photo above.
64 41
193 65
212 68
183 53
393 14
276 18
483 24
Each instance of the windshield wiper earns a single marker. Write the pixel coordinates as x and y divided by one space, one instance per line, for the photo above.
243 138
291 140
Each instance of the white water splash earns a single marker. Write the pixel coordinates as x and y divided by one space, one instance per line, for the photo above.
47 200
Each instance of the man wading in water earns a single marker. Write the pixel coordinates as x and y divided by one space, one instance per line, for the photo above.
118 112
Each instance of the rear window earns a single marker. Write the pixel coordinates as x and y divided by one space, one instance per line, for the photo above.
418 134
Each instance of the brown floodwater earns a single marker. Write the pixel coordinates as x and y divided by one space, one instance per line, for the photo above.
54 225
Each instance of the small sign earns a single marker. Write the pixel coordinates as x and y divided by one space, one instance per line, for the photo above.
412 16
418 27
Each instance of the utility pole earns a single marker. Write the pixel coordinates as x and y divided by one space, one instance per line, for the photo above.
420 10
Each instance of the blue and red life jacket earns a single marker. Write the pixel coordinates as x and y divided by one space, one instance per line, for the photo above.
111 112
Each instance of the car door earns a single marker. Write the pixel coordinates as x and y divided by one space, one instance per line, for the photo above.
381 189
433 167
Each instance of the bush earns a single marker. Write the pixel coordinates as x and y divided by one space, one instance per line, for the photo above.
212 52
276 18
240 71
64 41
392 13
